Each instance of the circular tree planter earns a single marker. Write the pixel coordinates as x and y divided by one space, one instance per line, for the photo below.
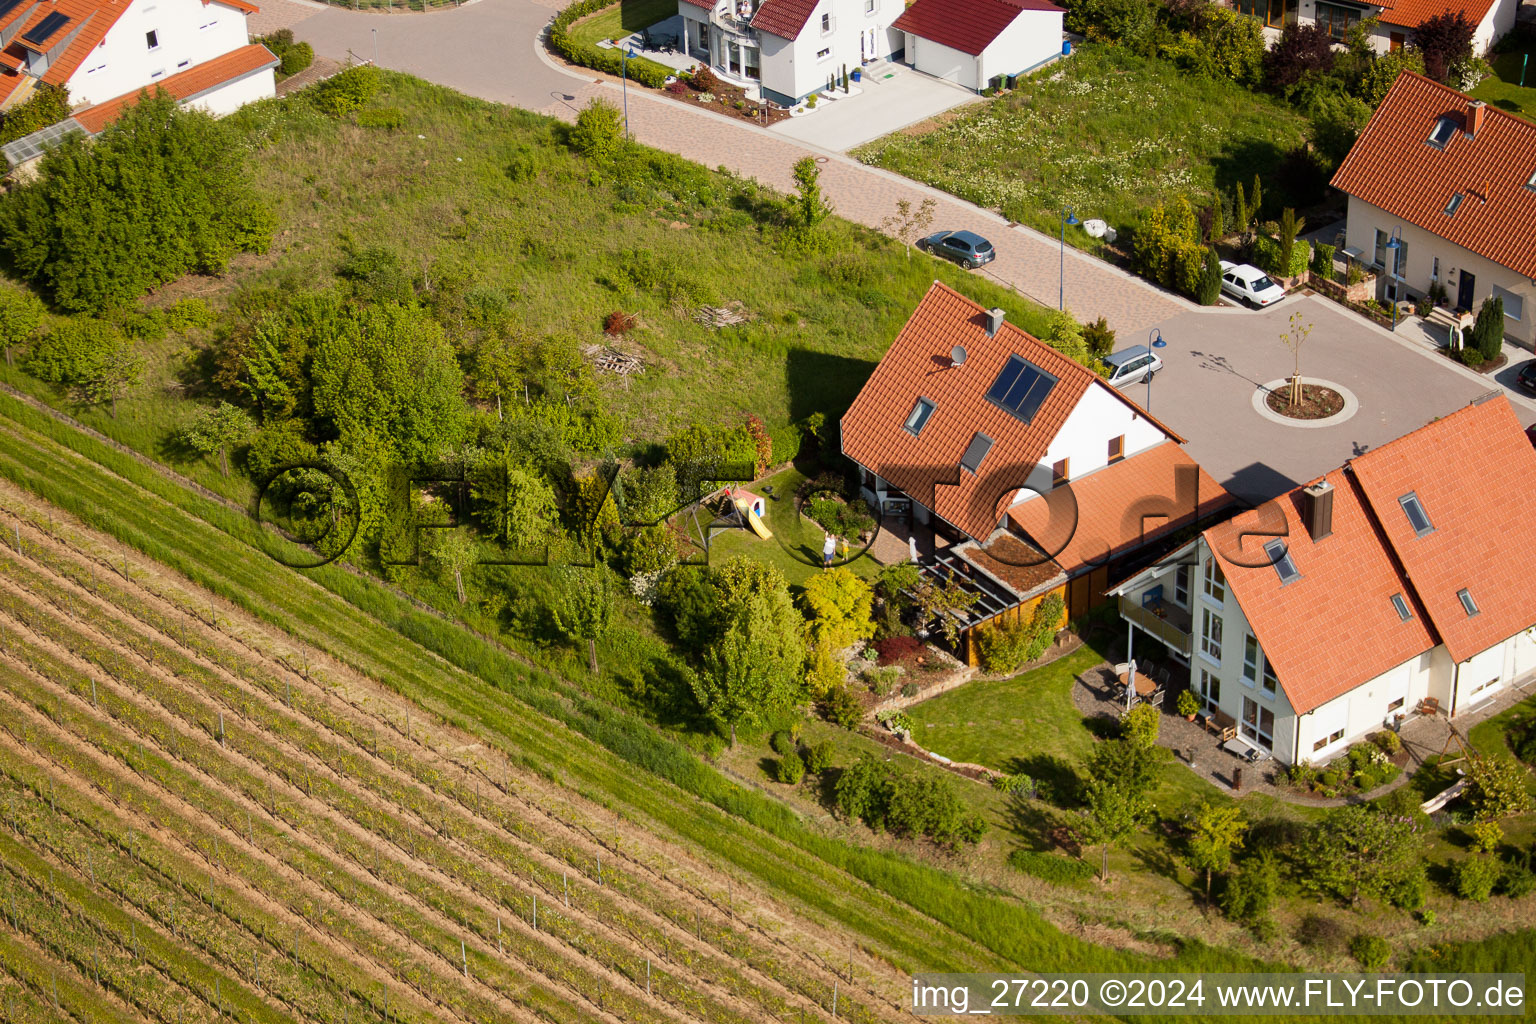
1324 403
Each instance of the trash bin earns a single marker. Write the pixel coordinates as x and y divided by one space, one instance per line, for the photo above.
1066 47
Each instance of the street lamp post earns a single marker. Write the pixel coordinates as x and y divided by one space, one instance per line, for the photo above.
1061 294
624 56
1154 341
1395 246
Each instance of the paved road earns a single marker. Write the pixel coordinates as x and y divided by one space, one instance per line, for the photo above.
1215 358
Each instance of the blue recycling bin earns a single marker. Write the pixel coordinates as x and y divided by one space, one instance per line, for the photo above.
1066 47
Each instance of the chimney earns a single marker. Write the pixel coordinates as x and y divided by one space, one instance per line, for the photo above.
1475 115
1317 509
994 322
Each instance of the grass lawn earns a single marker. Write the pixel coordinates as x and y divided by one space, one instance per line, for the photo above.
796 545
1504 91
1106 133
621 19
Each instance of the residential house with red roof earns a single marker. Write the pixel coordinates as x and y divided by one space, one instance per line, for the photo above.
1393 21
106 51
1037 474
1454 180
792 48
1336 609
973 42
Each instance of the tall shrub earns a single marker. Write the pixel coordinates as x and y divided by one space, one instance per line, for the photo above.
160 193
1488 331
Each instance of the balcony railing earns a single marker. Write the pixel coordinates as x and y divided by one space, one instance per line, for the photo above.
1165 629
729 20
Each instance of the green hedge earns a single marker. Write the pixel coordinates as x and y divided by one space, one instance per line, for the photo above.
1266 256
645 72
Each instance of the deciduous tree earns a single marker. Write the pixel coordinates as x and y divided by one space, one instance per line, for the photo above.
839 603
1215 831
21 315
585 607
217 429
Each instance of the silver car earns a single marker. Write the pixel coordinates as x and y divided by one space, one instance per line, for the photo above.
1132 365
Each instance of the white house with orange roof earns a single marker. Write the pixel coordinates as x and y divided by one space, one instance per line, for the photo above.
1455 181
1394 20
106 51
1393 585
1038 475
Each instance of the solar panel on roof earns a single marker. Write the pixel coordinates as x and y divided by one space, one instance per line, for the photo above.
7 6
1021 388
47 27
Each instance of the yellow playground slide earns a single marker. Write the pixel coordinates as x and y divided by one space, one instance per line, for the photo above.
754 520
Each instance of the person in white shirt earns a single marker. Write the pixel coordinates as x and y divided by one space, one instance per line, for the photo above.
828 549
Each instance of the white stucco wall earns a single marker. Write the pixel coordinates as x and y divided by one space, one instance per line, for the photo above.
1033 38
188 32
1084 438
1488 673
1424 247
231 97
942 61
792 68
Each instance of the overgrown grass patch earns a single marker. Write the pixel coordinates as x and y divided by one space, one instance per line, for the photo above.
1105 133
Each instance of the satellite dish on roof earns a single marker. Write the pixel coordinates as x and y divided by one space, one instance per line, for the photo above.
957 355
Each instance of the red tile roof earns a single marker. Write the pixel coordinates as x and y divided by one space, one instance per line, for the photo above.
1474 472
1393 166
1120 507
918 364
1413 13
1334 627
90 19
965 25
784 18
184 85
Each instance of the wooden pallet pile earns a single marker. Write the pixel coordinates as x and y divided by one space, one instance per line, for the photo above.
722 316
616 362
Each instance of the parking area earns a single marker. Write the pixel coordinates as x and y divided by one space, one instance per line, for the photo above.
890 99
1214 361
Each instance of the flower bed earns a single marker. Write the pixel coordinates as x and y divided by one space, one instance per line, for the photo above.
1364 767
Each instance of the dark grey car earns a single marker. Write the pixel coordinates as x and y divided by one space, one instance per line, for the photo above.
966 248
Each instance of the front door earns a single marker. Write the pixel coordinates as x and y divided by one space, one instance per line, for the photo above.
1464 290
1396 41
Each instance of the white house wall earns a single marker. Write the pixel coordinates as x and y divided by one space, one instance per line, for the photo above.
188 33
792 70
232 96
1423 248
944 62
1368 707
1033 38
1084 438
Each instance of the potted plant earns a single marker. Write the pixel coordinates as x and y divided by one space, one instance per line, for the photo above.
858 74
1189 705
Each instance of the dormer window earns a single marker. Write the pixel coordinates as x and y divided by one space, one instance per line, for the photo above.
1417 517
1445 128
1280 558
918 417
1454 205
1467 604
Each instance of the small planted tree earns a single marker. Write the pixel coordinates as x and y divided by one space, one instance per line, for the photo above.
1215 831
1112 814
908 224
218 429
1293 339
451 554
839 604
585 607
810 204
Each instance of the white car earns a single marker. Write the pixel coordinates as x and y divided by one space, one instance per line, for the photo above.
1249 285
1132 365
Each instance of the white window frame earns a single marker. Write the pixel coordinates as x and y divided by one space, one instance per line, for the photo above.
1254 730
1181 581
1512 301
1210 681
153 46
828 24
1212 631
824 55
1213 583
1269 682
1252 656
871 7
